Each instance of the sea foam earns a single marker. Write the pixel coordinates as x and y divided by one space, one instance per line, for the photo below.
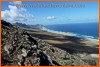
72 34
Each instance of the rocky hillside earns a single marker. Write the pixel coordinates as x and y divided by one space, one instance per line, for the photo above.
19 48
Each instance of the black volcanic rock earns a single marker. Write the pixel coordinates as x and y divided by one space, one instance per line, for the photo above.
19 48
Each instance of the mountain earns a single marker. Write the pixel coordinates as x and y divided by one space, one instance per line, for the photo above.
36 27
19 48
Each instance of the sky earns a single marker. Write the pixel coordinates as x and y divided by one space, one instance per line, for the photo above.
51 15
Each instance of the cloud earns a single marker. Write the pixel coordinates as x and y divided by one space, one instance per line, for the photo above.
50 17
15 14
15 2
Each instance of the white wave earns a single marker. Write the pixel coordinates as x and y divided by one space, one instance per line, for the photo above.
60 32
72 34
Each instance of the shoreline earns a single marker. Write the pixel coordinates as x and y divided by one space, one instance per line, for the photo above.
71 34
85 48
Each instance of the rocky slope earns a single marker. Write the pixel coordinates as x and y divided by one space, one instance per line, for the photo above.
19 48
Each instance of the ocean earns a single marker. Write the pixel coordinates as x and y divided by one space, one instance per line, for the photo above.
83 29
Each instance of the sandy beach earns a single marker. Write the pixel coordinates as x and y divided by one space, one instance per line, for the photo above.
86 48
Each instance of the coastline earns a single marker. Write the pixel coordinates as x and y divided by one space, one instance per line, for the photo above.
71 34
